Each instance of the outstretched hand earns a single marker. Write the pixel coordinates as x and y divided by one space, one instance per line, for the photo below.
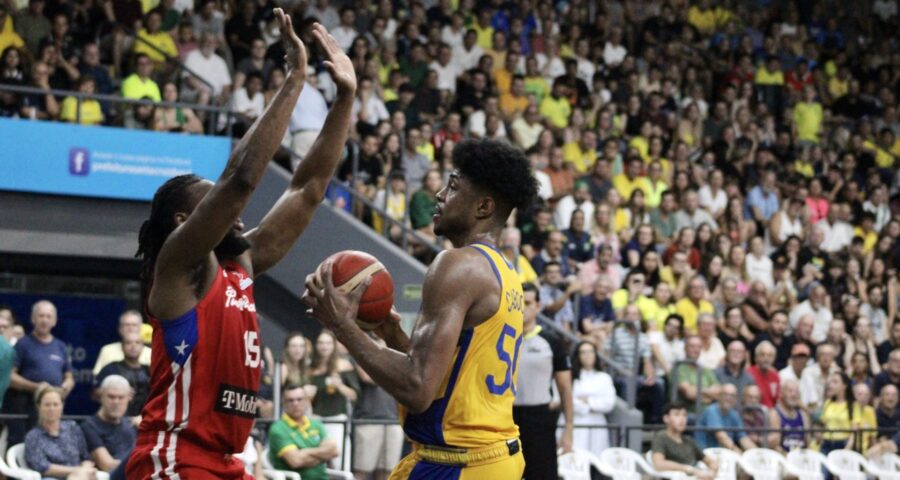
336 61
295 51
328 304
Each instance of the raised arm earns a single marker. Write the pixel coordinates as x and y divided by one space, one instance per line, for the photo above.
455 282
192 242
281 227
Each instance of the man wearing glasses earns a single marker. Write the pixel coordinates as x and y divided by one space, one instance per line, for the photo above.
298 442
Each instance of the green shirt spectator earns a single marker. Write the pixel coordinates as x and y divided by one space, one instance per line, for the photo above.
286 435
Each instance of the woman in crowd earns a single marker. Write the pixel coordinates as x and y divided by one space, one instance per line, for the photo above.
578 242
335 381
593 395
838 414
295 360
11 66
732 327
650 264
56 448
175 119
859 371
862 342
733 222
736 269
642 242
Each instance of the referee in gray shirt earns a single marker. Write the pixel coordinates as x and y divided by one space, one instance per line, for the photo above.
543 359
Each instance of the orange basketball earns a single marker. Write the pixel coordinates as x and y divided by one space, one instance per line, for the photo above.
351 267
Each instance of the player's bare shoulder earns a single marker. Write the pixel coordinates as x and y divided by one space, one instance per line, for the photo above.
465 274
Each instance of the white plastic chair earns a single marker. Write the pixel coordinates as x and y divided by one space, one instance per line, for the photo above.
574 466
885 466
762 464
846 464
337 432
289 475
806 464
626 464
16 472
15 458
727 461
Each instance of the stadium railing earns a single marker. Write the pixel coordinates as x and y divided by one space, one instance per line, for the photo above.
212 119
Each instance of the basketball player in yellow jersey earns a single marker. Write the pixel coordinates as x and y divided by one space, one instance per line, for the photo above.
455 377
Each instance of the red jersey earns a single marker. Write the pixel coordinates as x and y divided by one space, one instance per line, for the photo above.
769 384
205 373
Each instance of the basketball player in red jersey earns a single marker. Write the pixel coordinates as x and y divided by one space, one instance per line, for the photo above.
198 281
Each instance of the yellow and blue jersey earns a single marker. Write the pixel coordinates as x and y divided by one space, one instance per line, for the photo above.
473 407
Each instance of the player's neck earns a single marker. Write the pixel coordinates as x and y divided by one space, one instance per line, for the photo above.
488 237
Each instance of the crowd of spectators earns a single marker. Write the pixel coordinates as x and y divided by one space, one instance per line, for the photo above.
719 181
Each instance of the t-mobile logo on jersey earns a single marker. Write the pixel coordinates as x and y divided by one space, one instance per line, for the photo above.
79 161
242 303
236 401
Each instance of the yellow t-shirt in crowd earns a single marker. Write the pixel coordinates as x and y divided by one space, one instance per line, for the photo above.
869 239
808 118
91 114
765 77
9 37
161 40
511 105
485 35
837 87
581 160
134 87
690 312
883 158
625 186
641 144
556 111
703 20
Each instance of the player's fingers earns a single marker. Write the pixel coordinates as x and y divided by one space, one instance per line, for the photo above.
279 14
357 292
308 299
325 271
312 287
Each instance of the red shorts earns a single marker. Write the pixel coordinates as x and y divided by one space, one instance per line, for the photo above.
191 463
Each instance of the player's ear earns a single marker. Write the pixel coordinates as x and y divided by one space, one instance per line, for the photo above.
485 207
180 218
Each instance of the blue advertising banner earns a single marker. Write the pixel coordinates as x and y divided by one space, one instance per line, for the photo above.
84 324
108 162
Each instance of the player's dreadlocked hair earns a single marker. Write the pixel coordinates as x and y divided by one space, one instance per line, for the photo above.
170 198
498 167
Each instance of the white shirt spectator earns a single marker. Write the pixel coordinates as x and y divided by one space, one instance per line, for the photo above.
310 111
613 54
212 69
545 188
882 214
585 72
242 103
812 384
836 236
453 38
564 208
713 356
466 59
475 125
594 395
788 373
712 203
822 319
327 16
447 75
344 36
552 67
376 109
760 269
670 350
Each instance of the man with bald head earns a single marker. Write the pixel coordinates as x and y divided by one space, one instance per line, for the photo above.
129 323
765 375
817 306
723 414
41 359
815 376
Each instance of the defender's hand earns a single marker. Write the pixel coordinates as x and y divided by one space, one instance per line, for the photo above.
336 61
295 51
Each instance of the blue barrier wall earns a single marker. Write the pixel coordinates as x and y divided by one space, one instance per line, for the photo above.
108 162
84 324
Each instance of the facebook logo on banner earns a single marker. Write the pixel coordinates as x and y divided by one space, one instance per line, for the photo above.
79 161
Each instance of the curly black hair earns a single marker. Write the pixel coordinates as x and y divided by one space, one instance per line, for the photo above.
171 197
499 168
